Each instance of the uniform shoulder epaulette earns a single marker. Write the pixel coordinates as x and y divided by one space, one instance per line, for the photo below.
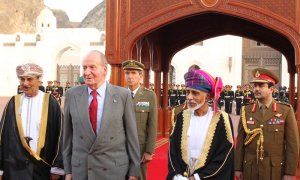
148 89
284 103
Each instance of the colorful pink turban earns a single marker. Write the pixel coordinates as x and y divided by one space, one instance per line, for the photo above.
29 69
201 80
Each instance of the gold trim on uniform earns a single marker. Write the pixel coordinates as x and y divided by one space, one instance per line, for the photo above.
207 143
229 138
227 127
184 143
251 134
173 118
42 135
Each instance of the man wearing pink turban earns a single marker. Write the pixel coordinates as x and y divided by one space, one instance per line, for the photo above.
201 143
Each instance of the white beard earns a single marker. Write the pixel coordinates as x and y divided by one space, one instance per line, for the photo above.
198 106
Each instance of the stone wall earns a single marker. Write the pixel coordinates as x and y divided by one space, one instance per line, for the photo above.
19 15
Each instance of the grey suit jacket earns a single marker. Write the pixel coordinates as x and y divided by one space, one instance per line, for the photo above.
114 152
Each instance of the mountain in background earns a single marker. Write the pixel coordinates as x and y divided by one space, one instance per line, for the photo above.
20 16
96 18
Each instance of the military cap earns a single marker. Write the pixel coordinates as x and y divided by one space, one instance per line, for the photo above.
133 65
261 75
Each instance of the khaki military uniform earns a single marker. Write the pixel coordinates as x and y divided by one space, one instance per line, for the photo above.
280 142
145 105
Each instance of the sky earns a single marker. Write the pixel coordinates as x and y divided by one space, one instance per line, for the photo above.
75 9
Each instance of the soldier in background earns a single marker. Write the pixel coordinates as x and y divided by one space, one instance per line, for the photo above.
151 86
60 89
55 91
182 94
275 94
226 94
248 95
238 96
221 98
231 94
68 86
41 87
178 92
282 94
49 87
173 96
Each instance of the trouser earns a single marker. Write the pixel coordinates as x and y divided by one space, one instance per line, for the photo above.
228 106
143 166
238 106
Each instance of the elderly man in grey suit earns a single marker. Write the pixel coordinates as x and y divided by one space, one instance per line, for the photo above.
100 136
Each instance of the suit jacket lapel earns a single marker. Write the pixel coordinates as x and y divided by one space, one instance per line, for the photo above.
110 99
82 108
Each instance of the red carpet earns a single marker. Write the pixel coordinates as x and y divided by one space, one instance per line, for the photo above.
158 167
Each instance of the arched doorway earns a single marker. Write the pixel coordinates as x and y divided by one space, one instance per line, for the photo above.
171 25
68 65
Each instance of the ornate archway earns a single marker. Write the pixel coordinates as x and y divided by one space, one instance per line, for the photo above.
171 25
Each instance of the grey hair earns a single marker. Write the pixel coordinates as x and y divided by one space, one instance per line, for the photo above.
102 57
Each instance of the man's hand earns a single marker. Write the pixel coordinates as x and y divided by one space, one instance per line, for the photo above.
1 177
239 175
132 178
288 177
146 157
54 176
68 177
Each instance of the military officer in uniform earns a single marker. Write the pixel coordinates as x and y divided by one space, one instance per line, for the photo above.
151 86
182 94
41 87
267 142
173 95
227 95
238 96
248 95
49 87
275 94
68 86
231 94
145 105
56 91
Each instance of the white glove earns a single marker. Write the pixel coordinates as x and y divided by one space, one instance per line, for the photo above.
179 177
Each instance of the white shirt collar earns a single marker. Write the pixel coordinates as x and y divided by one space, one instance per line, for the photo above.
100 90
135 91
